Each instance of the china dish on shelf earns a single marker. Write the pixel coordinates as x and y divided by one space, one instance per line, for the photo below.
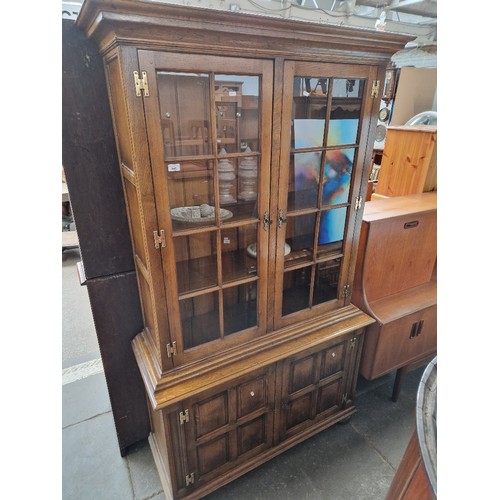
252 249
198 214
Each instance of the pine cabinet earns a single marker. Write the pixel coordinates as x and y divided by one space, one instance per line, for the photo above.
244 145
409 161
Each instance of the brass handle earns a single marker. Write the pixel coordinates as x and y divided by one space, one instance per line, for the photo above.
266 221
409 225
281 219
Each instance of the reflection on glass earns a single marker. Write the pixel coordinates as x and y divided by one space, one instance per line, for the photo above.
331 225
184 107
240 307
345 87
237 112
200 319
337 176
239 252
191 193
196 259
296 287
346 111
309 111
300 236
326 281
303 180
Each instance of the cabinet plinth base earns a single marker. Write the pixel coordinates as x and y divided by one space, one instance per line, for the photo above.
161 465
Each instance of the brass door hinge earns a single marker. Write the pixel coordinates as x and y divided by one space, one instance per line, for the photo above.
141 84
344 398
375 87
353 342
159 238
347 291
184 417
172 349
190 479
357 202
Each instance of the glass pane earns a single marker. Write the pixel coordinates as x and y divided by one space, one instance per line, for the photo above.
309 111
296 287
303 178
185 113
240 307
299 238
200 319
191 194
196 259
326 281
239 251
346 111
337 176
331 225
237 108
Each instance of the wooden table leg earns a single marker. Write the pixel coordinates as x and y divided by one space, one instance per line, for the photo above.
396 388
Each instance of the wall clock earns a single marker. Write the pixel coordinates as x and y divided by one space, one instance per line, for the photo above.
383 114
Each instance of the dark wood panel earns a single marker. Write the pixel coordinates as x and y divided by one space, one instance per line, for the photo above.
92 173
90 160
117 317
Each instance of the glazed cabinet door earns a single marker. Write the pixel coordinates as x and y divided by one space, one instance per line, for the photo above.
316 385
327 112
229 426
209 127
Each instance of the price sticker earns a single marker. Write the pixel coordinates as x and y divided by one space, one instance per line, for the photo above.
226 240
174 167
232 93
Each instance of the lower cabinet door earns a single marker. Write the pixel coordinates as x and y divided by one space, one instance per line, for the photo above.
229 425
315 386
400 342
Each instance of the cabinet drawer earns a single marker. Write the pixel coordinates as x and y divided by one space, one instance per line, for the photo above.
395 344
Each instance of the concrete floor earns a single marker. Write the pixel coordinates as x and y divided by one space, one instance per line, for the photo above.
353 461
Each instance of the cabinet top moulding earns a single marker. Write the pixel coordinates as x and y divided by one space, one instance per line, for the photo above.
156 25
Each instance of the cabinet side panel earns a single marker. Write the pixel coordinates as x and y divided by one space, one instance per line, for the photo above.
133 151
121 124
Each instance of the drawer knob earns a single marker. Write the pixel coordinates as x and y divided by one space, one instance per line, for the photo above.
252 394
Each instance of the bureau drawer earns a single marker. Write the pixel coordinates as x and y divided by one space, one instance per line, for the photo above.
399 342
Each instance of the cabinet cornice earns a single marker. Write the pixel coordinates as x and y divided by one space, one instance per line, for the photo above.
167 26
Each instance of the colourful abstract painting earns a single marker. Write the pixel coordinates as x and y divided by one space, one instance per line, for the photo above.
338 168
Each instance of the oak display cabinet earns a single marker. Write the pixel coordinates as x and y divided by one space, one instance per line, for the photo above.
244 145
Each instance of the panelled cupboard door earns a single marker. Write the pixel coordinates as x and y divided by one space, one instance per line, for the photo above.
316 386
325 122
209 129
229 426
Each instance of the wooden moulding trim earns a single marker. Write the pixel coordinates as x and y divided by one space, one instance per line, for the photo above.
165 389
139 22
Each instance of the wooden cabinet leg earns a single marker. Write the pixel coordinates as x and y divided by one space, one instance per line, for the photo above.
396 388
